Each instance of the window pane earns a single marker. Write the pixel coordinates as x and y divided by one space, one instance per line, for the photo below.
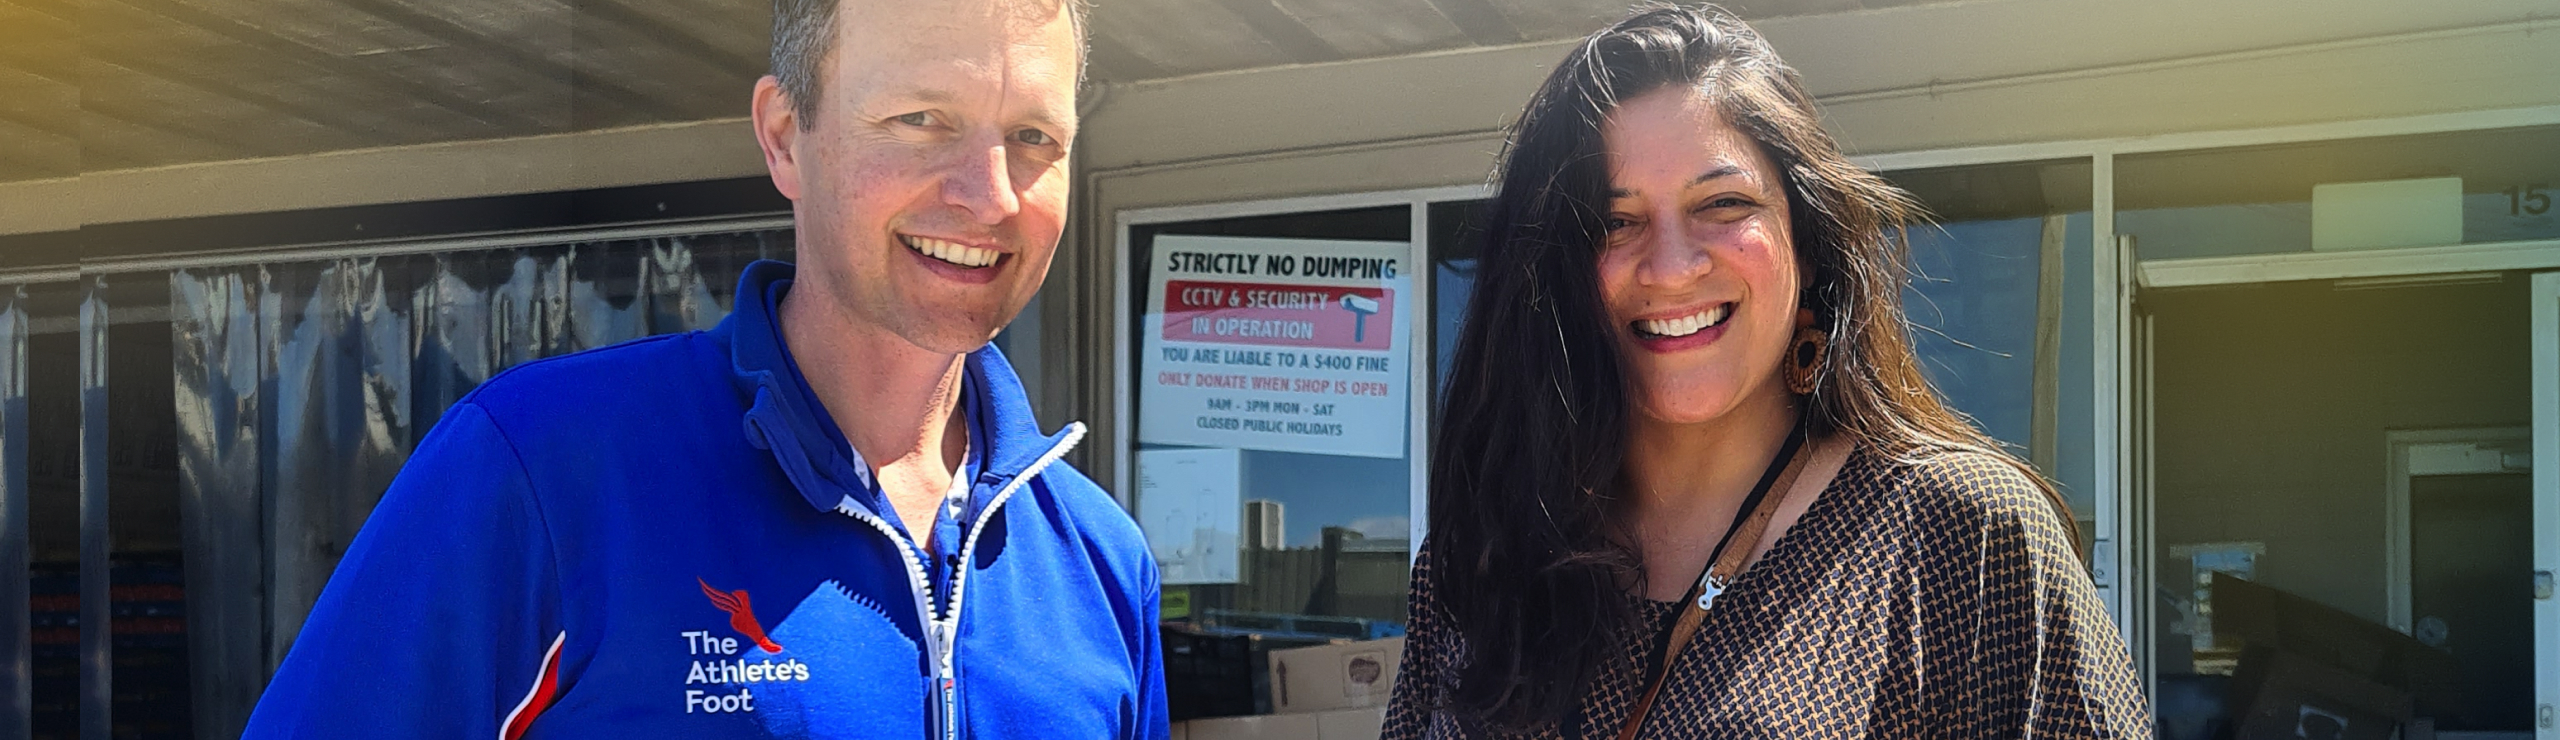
1272 469
1999 305
1455 227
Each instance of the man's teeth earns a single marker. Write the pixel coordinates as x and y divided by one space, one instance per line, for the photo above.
1686 325
952 252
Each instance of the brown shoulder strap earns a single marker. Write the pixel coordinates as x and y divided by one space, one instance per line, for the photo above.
1727 563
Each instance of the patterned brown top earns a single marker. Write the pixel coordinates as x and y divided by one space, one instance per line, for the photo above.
1937 600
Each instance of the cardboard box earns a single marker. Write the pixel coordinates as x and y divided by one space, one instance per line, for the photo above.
1254 727
2264 617
1351 724
1344 724
1338 676
2295 697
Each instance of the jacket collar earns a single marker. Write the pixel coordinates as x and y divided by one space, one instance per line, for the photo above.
784 416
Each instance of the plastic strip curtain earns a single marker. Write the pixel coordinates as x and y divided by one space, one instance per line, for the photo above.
97 667
302 387
17 677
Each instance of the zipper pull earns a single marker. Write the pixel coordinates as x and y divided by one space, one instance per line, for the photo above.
950 709
943 720
945 687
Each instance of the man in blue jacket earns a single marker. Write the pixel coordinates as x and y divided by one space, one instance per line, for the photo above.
831 516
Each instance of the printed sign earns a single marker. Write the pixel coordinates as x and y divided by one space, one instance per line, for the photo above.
1293 345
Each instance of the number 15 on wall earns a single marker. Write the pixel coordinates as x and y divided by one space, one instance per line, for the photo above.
2528 200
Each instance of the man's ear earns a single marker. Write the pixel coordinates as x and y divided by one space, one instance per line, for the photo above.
777 126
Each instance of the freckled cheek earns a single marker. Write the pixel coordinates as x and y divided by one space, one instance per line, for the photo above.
888 181
1761 255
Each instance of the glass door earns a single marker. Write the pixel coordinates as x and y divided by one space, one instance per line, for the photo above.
2297 310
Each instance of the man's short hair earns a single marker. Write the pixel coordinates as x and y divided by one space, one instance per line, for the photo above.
804 36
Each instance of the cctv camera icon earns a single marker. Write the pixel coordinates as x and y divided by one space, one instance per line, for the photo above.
1360 308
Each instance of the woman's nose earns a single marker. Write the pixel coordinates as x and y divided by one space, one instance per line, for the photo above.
1671 257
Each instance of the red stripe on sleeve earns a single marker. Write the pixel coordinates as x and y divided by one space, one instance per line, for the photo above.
546 687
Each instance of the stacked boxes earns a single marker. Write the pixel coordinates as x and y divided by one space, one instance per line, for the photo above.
1335 691
1338 676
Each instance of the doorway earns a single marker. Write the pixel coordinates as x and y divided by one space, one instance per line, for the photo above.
2462 523
2280 448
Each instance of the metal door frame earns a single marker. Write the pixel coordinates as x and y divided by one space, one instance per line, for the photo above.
2546 501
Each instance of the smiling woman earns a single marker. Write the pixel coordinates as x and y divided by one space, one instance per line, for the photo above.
1690 480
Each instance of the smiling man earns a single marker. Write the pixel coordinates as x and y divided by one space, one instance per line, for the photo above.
832 516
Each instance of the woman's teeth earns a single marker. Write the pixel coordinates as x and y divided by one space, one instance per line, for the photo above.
952 252
1686 325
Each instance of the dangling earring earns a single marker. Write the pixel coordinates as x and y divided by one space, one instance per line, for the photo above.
1805 359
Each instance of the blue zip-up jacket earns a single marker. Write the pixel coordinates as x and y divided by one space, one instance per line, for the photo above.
670 538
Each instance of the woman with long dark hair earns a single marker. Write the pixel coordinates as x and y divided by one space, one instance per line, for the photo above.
1689 480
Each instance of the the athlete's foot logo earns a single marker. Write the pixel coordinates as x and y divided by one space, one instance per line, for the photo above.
742 615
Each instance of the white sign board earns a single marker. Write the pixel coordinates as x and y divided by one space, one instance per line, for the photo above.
1190 504
1294 345
2391 213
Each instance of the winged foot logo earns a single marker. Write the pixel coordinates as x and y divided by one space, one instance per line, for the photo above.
742 615
716 662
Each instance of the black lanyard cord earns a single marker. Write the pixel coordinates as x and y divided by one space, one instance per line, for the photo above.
1661 646
1655 665
1750 503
